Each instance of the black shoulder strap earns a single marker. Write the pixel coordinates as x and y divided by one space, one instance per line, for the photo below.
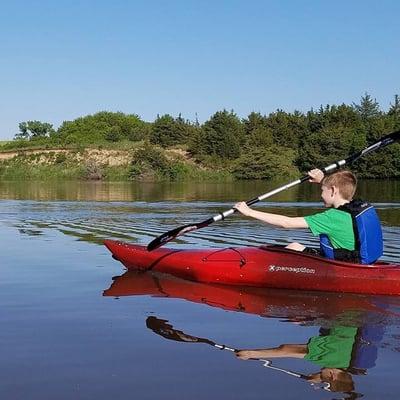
355 207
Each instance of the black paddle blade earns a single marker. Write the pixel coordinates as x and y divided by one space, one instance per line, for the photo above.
163 328
174 233
170 235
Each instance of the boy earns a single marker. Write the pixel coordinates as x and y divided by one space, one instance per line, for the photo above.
349 231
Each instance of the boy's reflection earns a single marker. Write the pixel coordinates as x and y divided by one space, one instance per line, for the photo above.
340 351
332 351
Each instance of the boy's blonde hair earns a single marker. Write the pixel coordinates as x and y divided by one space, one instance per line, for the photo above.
344 180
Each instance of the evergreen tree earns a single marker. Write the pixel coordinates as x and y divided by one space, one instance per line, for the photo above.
395 107
266 163
368 107
167 131
328 145
222 135
286 128
254 121
163 131
394 112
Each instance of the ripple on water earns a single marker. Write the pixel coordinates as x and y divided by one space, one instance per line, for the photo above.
141 221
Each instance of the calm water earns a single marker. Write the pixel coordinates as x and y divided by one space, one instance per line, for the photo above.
74 325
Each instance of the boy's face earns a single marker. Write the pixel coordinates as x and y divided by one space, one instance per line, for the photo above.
337 380
328 195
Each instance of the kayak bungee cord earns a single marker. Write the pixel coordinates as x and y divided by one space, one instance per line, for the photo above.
174 233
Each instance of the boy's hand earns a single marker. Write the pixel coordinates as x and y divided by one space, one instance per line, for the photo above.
246 354
243 208
316 175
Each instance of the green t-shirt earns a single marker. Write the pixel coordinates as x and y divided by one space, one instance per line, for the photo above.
336 224
333 350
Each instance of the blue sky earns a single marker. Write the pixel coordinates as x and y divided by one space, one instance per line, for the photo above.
65 59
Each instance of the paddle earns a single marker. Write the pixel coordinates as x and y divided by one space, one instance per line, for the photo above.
174 233
163 328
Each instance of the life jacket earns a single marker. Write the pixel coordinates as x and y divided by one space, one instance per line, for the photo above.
367 234
365 349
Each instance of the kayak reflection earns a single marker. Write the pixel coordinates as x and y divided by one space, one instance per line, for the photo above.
317 308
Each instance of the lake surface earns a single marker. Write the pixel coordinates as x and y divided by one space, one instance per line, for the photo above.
75 325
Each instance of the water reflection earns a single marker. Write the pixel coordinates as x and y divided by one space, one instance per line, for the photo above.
138 211
333 354
375 191
351 330
140 222
301 306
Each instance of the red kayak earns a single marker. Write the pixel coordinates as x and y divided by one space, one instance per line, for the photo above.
265 266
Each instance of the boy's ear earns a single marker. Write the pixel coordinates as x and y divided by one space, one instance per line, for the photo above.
334 190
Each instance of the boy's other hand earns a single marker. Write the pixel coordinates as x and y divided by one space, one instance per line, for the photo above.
316 175
243 208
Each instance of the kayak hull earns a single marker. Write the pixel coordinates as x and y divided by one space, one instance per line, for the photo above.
265 266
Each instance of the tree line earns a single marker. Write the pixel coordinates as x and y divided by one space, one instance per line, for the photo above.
280 144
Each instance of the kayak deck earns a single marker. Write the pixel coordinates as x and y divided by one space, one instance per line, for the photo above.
265 266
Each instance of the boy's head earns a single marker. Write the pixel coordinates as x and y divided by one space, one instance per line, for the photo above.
344 181
337 380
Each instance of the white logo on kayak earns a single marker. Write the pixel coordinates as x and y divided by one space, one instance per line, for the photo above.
296 270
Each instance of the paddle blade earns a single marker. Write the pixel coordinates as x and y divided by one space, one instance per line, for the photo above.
174 233
163 328
170 235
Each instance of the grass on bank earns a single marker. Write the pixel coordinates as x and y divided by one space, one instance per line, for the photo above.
148 163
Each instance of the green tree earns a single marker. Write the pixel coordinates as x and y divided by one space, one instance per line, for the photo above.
163 131
34 130
286 128
185 130
394 112
149 162
222 136
328 145
371 116
368 107
168 131
254 121
260 137
395 107
266 163
104 125
114 134
261 157
333 116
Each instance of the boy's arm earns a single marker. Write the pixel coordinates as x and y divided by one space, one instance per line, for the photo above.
284 350
316 176
272 219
